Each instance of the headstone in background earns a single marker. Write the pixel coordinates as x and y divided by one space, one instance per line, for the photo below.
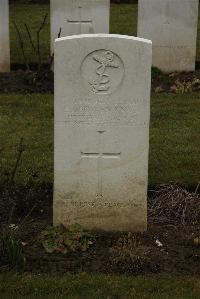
172 27
102 108
79 17
4 37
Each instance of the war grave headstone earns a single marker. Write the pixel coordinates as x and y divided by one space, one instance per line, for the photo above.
71 17
172 27
4 37
102 111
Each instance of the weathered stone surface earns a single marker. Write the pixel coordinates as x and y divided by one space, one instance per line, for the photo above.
4 37
172 27
102 108
79 17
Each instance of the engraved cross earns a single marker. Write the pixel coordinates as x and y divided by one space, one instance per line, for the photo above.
80 20
100 155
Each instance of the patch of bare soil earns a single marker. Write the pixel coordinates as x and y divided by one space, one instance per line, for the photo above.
176 82
31 81
28 81
170 245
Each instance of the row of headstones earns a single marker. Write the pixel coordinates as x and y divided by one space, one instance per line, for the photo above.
102 110
170 24
102 113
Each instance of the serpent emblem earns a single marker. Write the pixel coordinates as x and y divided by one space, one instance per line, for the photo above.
102 82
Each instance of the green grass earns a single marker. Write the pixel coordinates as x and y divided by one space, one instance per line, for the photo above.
29 117
99 287
174 142
123 21
33 16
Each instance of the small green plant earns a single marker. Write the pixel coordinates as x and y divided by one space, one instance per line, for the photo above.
65 240
181 87
185 86
16 259
11 244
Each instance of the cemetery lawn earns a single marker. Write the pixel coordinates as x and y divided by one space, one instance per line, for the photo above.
174 142
99 286
123 20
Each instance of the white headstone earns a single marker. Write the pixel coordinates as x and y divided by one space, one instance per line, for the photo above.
79 17
102 107
4 37
172 27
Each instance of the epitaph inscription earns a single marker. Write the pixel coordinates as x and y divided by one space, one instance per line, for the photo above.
103 71
97 112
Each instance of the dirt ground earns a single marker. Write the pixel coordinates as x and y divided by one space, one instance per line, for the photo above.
23 81
27 81
170 245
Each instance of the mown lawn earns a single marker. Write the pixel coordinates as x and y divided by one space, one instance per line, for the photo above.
123 20
99 287
32 15
174 137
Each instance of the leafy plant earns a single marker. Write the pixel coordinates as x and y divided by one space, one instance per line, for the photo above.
65 240
11 244
181 87
16 259
185 86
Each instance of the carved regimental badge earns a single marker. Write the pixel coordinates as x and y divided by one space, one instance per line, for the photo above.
103 71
